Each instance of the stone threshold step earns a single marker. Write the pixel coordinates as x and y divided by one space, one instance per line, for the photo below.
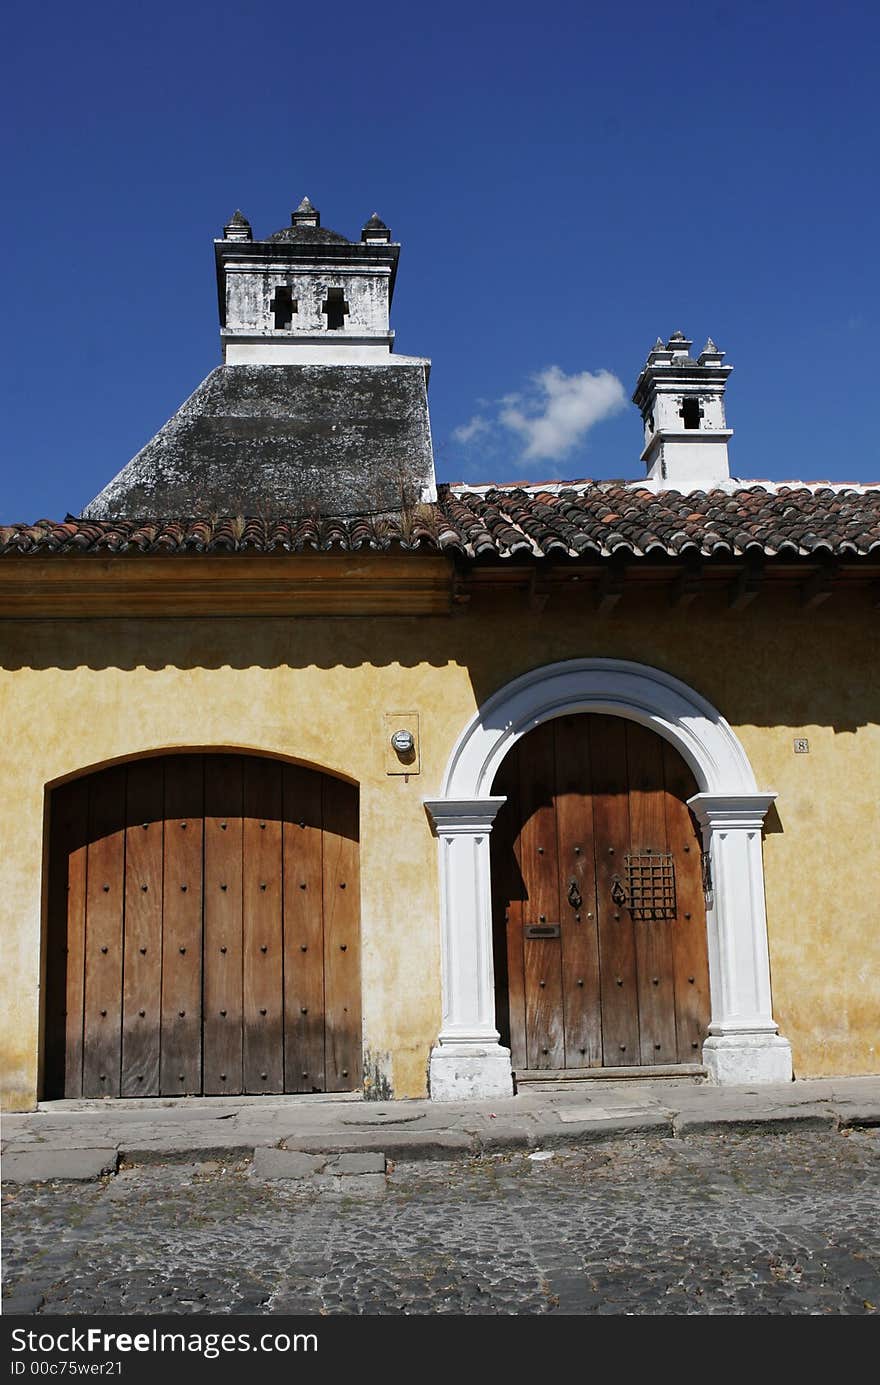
205 1104
554 1076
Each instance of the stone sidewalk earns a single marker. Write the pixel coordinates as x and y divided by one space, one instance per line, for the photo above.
88 1139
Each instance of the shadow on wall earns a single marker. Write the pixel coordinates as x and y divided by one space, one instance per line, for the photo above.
776 668
772 822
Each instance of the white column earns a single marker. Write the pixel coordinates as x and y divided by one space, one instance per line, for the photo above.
467 1061
744 1044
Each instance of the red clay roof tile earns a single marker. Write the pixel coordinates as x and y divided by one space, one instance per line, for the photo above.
567 520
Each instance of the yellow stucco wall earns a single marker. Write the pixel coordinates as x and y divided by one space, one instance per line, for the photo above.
79 693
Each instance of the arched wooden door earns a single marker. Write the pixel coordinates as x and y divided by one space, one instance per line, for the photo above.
599 913
203 930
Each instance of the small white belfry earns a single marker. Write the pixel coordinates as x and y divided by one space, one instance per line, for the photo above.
682 406
306 294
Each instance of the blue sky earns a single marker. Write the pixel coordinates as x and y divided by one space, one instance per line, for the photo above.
568 181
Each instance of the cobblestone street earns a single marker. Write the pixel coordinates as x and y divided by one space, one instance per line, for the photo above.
767 1224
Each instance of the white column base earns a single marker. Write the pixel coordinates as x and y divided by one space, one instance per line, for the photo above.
470 1072
738 1059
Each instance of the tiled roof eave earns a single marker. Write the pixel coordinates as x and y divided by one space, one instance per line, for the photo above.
565 523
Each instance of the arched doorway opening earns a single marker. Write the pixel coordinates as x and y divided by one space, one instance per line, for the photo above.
599 922
203 932
743 1043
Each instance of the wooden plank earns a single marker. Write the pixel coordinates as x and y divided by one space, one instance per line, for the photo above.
222 1018
65 940
55 993
262 941
617 961
302 842
198 584
690 941
102 1027
507 904
342 949
577 865
181 1040
142 960
77 880
653 936
545 1039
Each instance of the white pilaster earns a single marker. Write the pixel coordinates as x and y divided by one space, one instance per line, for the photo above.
744 1044
468 1060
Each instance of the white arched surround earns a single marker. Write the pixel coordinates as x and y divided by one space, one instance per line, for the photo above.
744 1044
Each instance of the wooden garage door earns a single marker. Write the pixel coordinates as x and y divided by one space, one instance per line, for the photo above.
203 930
599 913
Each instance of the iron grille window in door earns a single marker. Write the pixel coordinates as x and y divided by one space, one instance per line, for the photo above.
651 881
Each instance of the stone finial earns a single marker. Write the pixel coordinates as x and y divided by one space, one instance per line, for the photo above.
660 354
238 227
710 355
375 232
679 344
305 215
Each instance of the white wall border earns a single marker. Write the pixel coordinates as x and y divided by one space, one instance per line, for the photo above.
743 1044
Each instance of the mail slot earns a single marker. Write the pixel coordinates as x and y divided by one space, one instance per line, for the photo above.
542 930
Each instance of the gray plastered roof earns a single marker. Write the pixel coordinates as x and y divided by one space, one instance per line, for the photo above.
289 439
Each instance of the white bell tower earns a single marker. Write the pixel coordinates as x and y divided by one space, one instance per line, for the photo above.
682 406
306 295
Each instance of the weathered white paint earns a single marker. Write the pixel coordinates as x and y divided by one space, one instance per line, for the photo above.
688 461
250 289
744 1044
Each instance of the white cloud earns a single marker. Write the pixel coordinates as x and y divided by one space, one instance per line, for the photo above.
466 432
553 415
561 410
